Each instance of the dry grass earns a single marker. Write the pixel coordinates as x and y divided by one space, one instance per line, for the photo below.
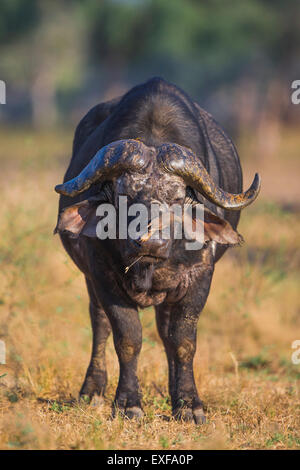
243 362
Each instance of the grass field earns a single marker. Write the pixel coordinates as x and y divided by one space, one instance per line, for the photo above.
243 362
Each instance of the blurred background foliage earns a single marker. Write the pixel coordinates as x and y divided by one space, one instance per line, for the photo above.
237 59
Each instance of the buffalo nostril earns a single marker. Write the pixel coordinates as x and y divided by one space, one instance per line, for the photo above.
155 246
157 243
152 247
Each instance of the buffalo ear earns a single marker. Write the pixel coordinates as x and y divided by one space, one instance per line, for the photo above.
79 219
219 230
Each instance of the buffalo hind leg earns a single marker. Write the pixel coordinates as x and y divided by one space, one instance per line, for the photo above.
96 375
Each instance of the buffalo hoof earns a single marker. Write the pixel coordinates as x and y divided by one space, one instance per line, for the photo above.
95 400
132 412
199 416
188 415
84 398
93 388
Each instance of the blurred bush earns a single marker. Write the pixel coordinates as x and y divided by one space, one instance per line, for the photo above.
237 58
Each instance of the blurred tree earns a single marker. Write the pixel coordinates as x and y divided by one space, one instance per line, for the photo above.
17 17
202 46
201 42
47 60
52 48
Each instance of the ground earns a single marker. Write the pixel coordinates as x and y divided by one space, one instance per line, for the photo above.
243 364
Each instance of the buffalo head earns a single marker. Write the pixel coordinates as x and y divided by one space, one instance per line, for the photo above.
166 175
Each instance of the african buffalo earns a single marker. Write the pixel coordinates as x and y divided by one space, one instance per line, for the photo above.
152 144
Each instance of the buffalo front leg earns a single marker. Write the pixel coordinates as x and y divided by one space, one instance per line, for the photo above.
96 375
163 323
127 333
182 337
